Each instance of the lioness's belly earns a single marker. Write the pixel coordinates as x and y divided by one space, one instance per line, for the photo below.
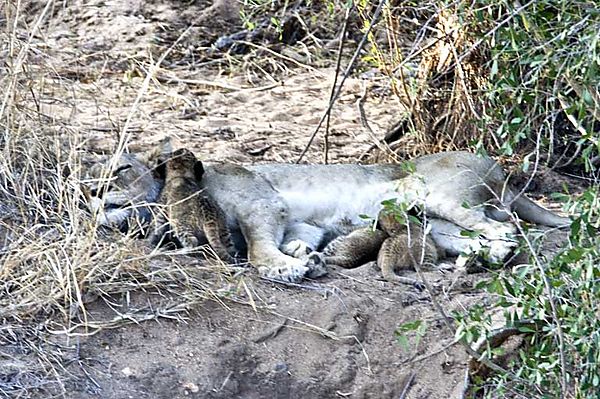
335 206
335 197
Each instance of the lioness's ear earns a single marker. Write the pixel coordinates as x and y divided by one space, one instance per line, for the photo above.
198 170
157 155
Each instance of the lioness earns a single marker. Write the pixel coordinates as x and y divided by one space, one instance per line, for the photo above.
285 211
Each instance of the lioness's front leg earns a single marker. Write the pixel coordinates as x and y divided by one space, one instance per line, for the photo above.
264 232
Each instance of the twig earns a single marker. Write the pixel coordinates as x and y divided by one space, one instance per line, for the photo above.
381 144
344 77
124 136
301 286
493 341
547 285
438 307
555 318
431 354
22 54
125 133
283 57
201 82
270 334
335 78
407 381
492 31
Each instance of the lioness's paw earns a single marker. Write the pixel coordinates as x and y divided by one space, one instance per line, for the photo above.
499 250
316 265
290 272
296 248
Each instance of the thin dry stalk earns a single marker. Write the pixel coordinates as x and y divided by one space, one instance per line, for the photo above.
54 261
335 79
347 72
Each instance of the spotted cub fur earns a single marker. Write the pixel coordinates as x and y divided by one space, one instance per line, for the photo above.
190 217
396 247
404 247
352 250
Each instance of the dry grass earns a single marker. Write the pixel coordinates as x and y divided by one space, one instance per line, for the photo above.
441 94
54 260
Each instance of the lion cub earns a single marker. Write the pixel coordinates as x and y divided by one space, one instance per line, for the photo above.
395 246
352 250
405 247
193 218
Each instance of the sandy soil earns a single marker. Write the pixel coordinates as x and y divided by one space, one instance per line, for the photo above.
324 339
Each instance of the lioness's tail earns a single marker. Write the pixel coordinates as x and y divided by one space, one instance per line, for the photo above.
532 212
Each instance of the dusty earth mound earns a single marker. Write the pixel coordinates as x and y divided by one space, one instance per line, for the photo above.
335 337
331 338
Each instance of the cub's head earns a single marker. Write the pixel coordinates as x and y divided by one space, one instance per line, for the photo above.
390 223
181 163
119 188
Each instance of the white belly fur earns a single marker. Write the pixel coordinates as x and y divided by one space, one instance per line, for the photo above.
336 204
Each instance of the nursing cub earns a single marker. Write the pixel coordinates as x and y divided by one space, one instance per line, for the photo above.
189 216
395 245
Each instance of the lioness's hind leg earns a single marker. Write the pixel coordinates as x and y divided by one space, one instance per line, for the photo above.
500 234
264 233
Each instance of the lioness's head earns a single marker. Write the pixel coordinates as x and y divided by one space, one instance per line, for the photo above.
120 188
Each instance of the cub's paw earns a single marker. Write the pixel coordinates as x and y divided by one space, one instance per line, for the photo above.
316 265
291 272
296 248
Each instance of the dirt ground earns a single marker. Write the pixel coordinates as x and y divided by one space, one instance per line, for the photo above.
330 338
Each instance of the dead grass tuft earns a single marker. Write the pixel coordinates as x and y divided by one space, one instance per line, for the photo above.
54 261
443 96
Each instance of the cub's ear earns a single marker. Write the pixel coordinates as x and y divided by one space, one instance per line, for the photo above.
160 170
198 170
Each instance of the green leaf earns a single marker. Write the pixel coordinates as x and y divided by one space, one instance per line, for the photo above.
469 233
408 166
494 69
516 121
587 97
414 220
402 340
410 326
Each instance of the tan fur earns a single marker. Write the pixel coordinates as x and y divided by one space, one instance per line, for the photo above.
405 247
192 216
393 244
354 249
277 207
